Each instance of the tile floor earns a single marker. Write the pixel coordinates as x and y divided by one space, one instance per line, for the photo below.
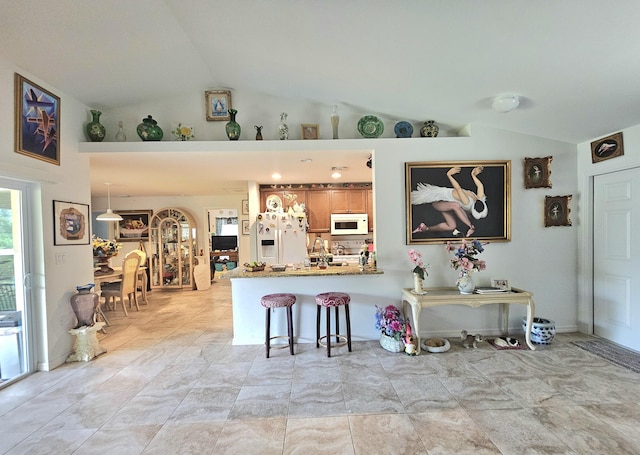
172 383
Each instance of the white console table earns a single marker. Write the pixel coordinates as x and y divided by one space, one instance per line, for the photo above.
451 296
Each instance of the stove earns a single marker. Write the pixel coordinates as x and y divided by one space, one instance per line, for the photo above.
347 250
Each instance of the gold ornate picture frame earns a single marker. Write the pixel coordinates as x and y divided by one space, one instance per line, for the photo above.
217 104
607 148
435 215
37 121
556 211
537 172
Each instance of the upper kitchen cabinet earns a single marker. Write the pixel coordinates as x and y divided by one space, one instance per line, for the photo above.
349 201
319 211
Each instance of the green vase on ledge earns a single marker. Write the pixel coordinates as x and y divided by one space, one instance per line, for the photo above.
95 130
233 128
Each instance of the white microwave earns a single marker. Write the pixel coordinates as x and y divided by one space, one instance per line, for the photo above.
349 223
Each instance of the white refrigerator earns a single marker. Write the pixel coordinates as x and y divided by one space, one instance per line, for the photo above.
281 237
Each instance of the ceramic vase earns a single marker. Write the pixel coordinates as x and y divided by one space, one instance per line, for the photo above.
543 331
258 132
335 120
465 283
430 129
283 128
149 130
417 284
95 130
84 304
233 128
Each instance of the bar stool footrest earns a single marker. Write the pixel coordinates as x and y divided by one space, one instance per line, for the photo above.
343 341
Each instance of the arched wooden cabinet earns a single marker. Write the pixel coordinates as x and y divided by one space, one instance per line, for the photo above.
173 249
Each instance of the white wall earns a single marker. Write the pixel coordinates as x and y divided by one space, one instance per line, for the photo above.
53 283
586 170
542 260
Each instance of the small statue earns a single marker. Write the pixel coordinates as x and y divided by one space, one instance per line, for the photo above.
258 132
409 347
468 340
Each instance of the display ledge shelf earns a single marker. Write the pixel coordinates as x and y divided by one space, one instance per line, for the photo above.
350 270
227 146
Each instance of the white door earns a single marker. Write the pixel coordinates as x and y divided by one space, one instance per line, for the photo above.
616 259
15 317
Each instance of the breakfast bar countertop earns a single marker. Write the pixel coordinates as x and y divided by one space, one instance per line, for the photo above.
351 269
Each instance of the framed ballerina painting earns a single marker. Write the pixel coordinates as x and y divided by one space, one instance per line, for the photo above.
448 201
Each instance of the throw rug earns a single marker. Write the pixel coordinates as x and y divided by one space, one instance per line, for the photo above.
613 353
502 347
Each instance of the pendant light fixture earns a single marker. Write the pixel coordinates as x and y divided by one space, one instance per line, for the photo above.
109 215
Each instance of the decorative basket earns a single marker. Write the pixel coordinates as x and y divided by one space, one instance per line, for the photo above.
257 268
391 344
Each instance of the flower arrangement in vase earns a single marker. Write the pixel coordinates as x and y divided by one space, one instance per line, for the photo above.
465 260
102 251
419 271
392 327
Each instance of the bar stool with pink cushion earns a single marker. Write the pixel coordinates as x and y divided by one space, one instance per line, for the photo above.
335 300
282 300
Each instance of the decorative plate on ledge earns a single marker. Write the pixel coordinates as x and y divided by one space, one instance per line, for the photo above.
370 127
403 129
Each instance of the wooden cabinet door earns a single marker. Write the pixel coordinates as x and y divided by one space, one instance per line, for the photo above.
339 201
319 211
348 201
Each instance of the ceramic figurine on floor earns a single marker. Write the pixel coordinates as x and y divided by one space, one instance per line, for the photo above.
409 347
470 340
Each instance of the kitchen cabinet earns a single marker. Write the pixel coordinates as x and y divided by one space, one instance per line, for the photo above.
173 249
319 211
349 201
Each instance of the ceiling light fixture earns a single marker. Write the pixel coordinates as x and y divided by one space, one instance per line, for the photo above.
505 103
276 176
109 215
335 172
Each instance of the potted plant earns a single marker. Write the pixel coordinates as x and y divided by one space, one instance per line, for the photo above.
392 328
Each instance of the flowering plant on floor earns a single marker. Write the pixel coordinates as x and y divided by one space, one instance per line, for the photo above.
102 248
464 256
390 322
420 269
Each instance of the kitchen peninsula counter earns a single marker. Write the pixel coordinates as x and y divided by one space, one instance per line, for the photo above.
241 272
247 288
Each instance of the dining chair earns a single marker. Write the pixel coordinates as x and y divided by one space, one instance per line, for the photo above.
126 287
141 281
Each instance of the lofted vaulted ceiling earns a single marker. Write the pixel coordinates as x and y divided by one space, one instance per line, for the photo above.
574 63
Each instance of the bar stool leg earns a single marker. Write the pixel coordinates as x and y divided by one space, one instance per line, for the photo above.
328 332
290 327
346 312
337 324
267 330
318 327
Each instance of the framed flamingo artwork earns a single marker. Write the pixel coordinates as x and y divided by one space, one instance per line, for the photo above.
448 201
